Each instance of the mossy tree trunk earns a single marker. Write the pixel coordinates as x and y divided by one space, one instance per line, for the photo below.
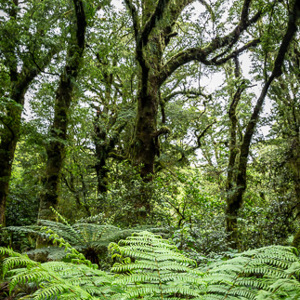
101 153
295 169
9 138
58 130
234 196
153 33
286 94
237 168
103 144
107 130
19 84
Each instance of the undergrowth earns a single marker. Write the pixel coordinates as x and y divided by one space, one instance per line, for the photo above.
150 267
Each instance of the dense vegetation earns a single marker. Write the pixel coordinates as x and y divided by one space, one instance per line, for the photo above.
125 121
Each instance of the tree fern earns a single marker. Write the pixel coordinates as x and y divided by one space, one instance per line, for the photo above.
89 238
56 279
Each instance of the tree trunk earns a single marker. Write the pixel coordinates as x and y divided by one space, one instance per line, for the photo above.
237 187
58 131
9 139
234 192
101 156
55 150
11 121
294 166
105 141
145 142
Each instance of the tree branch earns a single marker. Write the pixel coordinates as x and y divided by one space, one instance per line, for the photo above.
135 20
137 35
175 8
201 54
156 17
201 135
186 93
291 30
162 130
208 7
235 53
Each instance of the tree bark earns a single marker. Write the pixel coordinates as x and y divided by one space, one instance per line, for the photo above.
151 38
11 121
58 130
146 140
9 139
234 195
102 147
237 186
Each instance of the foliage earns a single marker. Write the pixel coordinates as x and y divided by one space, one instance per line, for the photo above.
68 280
189 134
156 263
89 238
150 267
192 205
159 271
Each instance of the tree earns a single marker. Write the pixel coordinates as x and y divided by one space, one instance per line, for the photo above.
108 78
237 167
284 134
58 130
26 53
153 31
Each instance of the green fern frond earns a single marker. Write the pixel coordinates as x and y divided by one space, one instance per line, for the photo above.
52 290
157 270
56 280
155 267
14 260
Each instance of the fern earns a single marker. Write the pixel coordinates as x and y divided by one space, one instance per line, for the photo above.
244 276
56 279
88 238
150 267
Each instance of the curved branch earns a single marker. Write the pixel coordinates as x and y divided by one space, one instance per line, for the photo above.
186 93
201 54
208 7
201 135
288 36
235 53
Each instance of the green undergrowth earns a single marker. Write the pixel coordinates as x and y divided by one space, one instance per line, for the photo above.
150 267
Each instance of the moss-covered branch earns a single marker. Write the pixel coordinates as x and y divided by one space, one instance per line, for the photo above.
201 53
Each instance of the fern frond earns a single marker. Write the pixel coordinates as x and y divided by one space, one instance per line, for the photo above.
157 270
57 279
14 260
156 267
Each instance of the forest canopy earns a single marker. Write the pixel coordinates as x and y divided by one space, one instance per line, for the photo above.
179 117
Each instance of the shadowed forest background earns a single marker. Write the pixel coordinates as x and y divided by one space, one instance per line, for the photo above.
179 117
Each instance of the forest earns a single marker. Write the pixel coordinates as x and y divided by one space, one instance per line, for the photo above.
149 149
